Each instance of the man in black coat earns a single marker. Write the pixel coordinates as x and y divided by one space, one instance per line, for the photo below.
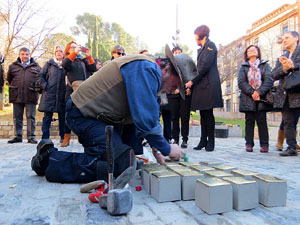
22 77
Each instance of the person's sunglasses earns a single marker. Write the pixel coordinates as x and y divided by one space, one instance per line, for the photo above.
121 53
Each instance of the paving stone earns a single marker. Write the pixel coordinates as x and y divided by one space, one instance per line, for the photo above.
33 200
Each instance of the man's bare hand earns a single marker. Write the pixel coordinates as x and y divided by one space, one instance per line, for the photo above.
188 91
158 156
189 84
176 153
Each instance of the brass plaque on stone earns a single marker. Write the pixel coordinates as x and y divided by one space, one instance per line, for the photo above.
210 163
212 181
201 168
188 164
238 180
243 173
269 178
218 173
224 167
184 173
177 169
165 173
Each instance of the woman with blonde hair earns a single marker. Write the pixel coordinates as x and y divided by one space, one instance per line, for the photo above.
52 82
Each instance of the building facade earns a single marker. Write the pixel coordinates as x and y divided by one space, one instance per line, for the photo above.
265 33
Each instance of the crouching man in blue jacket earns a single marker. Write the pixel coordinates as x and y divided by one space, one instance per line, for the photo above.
123 94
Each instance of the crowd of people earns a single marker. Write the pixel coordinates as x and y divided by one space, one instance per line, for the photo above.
131 92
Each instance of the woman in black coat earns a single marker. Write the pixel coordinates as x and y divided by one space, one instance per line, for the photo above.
288 101
255 81
52 82
206 88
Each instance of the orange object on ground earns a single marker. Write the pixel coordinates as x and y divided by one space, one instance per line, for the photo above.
141 158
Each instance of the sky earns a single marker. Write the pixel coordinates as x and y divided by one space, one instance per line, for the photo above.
154 21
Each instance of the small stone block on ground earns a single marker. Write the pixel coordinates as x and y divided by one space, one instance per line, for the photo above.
272 191
188 183
245 193
146 174
165 186
213 195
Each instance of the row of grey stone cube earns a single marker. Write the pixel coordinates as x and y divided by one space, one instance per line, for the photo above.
215 187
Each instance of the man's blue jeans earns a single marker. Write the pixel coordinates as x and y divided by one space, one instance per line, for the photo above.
68 167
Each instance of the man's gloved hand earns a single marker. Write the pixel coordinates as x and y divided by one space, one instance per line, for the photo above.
176 153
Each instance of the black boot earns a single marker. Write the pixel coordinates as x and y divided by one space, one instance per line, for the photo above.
289 152
184 144
15 140
210 144
40 161
202 144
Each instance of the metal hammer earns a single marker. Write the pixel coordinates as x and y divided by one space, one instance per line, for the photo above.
117 201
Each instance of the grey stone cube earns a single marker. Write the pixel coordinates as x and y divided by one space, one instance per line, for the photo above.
146 175
272 191
188 183
165 186
245 193
213 195
119 201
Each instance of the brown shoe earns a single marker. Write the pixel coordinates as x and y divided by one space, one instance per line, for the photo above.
66 141
264 149
249 148
280 140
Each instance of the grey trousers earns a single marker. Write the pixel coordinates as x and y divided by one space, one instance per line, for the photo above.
18 111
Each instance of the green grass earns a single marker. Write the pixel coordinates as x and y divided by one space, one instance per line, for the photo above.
226 121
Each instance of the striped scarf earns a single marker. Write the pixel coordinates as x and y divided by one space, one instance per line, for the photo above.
254 75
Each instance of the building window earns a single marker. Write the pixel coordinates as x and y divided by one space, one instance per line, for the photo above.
285 28
240 49
228 105
228 88
255 42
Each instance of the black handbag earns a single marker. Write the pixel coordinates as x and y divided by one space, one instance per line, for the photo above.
269 97
292 82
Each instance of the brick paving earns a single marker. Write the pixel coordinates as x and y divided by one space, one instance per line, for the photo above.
26 199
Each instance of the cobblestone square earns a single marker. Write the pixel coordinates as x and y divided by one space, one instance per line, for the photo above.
26 199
